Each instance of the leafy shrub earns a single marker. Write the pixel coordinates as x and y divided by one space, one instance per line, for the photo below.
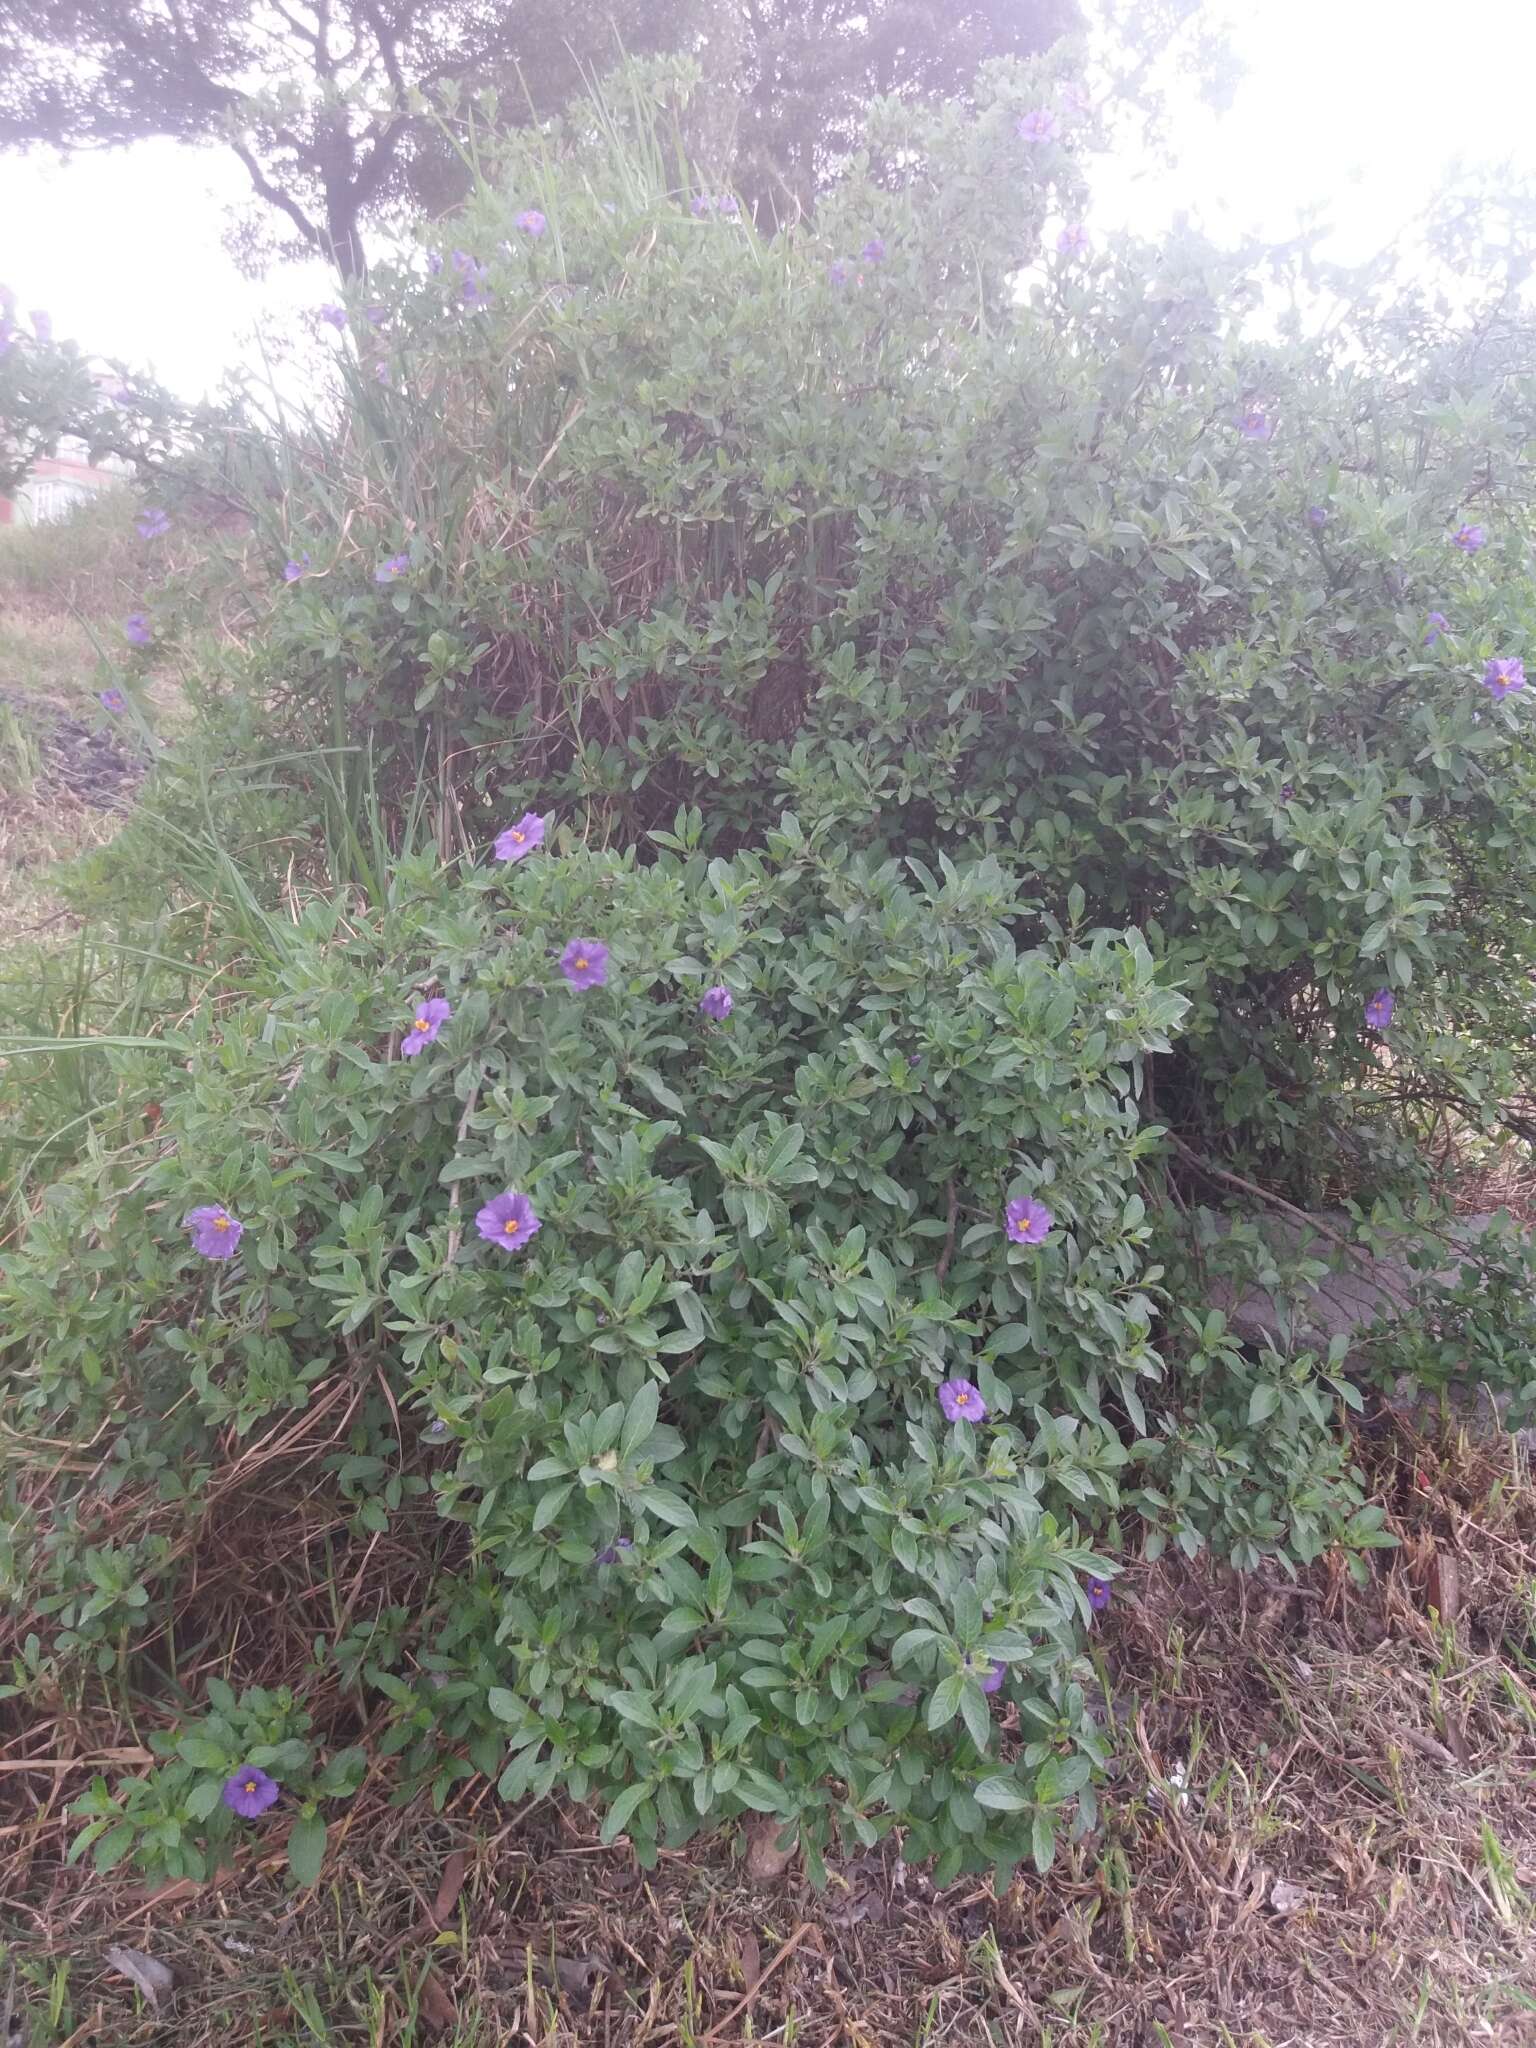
717 1543
1028 701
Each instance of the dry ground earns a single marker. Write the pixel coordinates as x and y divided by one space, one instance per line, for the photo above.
1350 1862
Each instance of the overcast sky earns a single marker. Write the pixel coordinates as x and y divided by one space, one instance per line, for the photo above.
1357 106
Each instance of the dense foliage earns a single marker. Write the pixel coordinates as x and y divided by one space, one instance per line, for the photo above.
1087 744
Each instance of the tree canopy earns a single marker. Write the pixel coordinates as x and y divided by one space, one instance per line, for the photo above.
322 100
326 102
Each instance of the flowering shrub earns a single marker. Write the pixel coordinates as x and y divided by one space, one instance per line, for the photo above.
768 1436
1060 760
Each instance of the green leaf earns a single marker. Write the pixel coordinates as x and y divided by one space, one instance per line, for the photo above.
306 1848
618 1816
1002 1794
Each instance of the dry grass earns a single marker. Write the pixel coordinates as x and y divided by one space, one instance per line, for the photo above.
1351 1864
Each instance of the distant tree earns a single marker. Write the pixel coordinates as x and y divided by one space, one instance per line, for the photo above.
803 70
322 100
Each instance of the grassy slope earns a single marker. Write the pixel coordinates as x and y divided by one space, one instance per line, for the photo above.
1352 1864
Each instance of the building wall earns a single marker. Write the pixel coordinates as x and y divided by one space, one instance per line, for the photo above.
57 483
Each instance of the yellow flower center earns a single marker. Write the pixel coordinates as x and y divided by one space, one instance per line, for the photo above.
512 1226
421 1024
581 964
518 837
221 1223
962 1400
250 1784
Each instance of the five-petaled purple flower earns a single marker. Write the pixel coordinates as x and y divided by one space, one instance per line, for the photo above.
519 840
249 1792
531 221
215 1233
136 629
994 1677
837 272
334 316
1029 1221
114 700
717 1002
1254 424
1469 539
1098 1594
1072 240
152 522
1437 623
391 567
873 250
1378 1011
613 1551
292 571
1501 677
1039 125
584 963
430 1018
508 1221
1317 516
962 1402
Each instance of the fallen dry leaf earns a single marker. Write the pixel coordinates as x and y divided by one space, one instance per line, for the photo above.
749 1959
151 1976
450 1887
1287 1897
765 1859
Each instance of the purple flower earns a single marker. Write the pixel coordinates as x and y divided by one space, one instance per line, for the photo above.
726 204
615 1550
873 250
1378 1011
698 205
430 1018
1254 424
1072 240
1098 1594
1074 97
519 840
1028 1221
42 326
1501 677
249 1792
292 571
391 567
434 262
1287 791
114 700
1468 538
1437 623
531 221
1039 125
962 1402
584 963
837 273
136 628
463 262
381 371
508 1221
334 316
475 291
1317 516
215 1233
717 1002
376 314
152 522
996 1673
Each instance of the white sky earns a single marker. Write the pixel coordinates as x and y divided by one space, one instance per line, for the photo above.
1354 106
